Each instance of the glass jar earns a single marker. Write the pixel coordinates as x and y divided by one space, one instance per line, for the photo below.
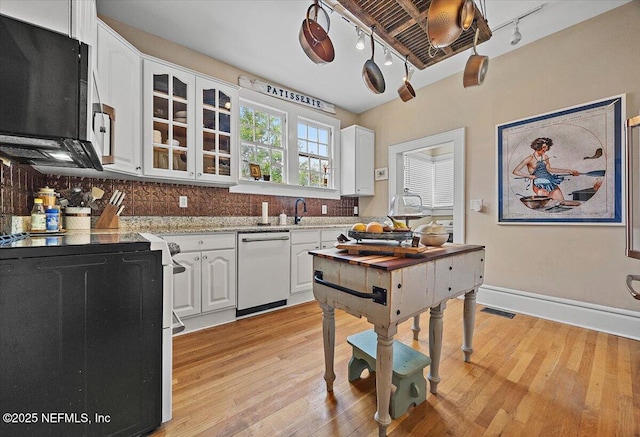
38 216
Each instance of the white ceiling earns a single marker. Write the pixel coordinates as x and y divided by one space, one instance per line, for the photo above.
261 38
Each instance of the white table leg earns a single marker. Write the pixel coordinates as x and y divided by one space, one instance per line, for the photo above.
416 326
329 340
469 320
435 346
384 370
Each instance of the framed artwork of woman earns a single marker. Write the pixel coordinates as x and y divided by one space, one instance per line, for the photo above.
563 167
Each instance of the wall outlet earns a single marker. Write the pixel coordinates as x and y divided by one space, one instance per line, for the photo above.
324 209
183 202
355 210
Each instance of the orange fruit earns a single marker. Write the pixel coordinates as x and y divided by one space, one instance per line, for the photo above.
359 227
374 227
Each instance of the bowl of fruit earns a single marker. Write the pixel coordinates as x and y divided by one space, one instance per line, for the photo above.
380 231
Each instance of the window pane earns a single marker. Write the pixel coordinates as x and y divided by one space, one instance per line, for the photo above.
323 150
263 158
276 157
314 180
323 136
302 145
303 178
313 148
302 131
276 174
275 128
313 133
246 123
261 123
315 164
248 153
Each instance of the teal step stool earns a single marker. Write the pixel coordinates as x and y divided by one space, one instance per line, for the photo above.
411 387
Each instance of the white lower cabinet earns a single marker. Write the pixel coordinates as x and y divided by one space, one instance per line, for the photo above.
301 262
209 282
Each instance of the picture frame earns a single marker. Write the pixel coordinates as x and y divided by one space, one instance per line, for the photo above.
255 171
577 179
381 174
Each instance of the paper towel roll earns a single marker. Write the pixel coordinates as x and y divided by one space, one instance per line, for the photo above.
265 212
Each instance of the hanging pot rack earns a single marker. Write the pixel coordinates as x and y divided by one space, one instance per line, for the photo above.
401 25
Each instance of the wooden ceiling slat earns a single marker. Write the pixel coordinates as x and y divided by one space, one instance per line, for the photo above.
402 25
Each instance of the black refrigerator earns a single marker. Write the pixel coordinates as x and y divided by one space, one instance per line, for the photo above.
80 339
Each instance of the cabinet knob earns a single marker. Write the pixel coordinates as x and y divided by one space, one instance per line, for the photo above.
200 242
204 256
190 173
197 258
199 174
138 168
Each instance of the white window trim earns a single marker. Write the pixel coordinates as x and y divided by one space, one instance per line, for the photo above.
294 112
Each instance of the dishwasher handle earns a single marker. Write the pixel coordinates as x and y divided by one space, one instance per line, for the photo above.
378 294
251 240
179 327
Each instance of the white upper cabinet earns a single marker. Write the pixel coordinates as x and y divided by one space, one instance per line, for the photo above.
357 161
119 67
75 18
189 125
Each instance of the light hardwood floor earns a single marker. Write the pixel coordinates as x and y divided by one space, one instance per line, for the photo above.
263 376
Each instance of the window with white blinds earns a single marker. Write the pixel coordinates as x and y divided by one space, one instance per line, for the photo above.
431 178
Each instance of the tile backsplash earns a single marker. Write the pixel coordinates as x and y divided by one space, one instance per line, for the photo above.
19 182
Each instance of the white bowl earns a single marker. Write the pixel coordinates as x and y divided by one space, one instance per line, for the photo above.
181 114
429 239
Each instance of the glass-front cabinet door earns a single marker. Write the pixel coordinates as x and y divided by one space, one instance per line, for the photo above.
169 127
190 125
216 130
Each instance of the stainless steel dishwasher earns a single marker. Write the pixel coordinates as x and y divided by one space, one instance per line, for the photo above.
264 260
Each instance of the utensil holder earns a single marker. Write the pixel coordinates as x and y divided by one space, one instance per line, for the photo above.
108 219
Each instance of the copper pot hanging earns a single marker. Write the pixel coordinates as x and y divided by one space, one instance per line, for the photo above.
476 68
314 40
406 91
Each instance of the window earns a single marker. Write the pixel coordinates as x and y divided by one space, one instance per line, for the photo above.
430 177
314 154
294 145
261 142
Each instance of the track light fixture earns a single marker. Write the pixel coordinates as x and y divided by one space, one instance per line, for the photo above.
360 40
387 57
516 36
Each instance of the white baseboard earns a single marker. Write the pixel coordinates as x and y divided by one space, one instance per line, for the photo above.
615 321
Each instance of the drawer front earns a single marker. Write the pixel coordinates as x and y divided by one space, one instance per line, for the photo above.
198 242
330 236
304 237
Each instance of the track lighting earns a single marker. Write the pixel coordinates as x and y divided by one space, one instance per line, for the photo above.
360 40
387 57
516 36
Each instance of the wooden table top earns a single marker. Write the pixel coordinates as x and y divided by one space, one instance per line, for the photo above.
390 262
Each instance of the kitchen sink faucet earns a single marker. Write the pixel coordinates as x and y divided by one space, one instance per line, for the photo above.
296 219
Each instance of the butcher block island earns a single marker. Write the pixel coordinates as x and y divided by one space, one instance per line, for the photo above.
388 290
